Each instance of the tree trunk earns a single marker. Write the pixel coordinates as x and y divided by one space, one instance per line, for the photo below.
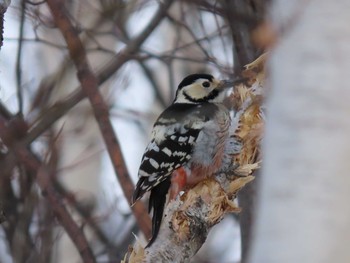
3 7
303 211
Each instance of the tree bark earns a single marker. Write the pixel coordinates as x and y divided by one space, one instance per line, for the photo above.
188 220
3 7
303 213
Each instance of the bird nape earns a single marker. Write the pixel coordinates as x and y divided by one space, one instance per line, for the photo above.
188 136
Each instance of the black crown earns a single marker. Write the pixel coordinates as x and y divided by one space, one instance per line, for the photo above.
192 78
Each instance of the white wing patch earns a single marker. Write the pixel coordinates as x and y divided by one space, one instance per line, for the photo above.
167 151
154 163
178 153
182 138
152 146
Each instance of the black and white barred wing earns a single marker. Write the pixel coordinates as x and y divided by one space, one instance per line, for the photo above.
170 148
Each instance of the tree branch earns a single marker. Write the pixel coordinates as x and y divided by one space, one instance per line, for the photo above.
4 4
89 84
43 180
2 215
55 112
58 110
19 58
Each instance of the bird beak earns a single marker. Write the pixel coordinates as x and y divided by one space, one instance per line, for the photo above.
224 84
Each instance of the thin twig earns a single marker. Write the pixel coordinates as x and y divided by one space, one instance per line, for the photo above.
52 114
147 71
19 58
3 7
4 112
89 84
35 3
82 212
59 109
2 215
43 180
149 74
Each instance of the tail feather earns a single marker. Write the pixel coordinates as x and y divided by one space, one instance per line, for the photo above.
138 193
157 202
146 184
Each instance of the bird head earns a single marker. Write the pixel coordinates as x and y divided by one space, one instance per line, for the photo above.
199 88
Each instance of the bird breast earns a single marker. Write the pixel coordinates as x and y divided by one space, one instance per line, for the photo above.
210 144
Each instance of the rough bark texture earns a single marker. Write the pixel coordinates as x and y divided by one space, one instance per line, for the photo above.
3 7
189 218
303 212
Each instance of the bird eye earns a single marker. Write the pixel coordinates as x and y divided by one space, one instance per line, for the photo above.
206 84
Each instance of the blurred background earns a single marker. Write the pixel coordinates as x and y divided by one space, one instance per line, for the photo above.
38 84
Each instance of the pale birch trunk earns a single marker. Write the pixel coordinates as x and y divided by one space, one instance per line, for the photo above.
304 211
3 7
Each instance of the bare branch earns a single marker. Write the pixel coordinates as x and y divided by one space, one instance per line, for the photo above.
89 85
52 114
35 3
19 58
3 7
86 215
44 181
59 109
189 219
2 215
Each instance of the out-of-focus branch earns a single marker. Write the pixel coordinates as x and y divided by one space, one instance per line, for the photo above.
43 180
243 49
86 215
19 58
55 112
4 112
89 84
35 3
148 73
3 7
158 93
2 215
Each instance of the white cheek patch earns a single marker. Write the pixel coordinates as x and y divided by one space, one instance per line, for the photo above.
197 92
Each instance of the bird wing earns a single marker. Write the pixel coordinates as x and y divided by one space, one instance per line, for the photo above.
161 159
173 140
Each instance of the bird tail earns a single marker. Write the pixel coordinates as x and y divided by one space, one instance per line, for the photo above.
138 193
157 202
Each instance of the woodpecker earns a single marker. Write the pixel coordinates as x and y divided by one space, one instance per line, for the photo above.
189 137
